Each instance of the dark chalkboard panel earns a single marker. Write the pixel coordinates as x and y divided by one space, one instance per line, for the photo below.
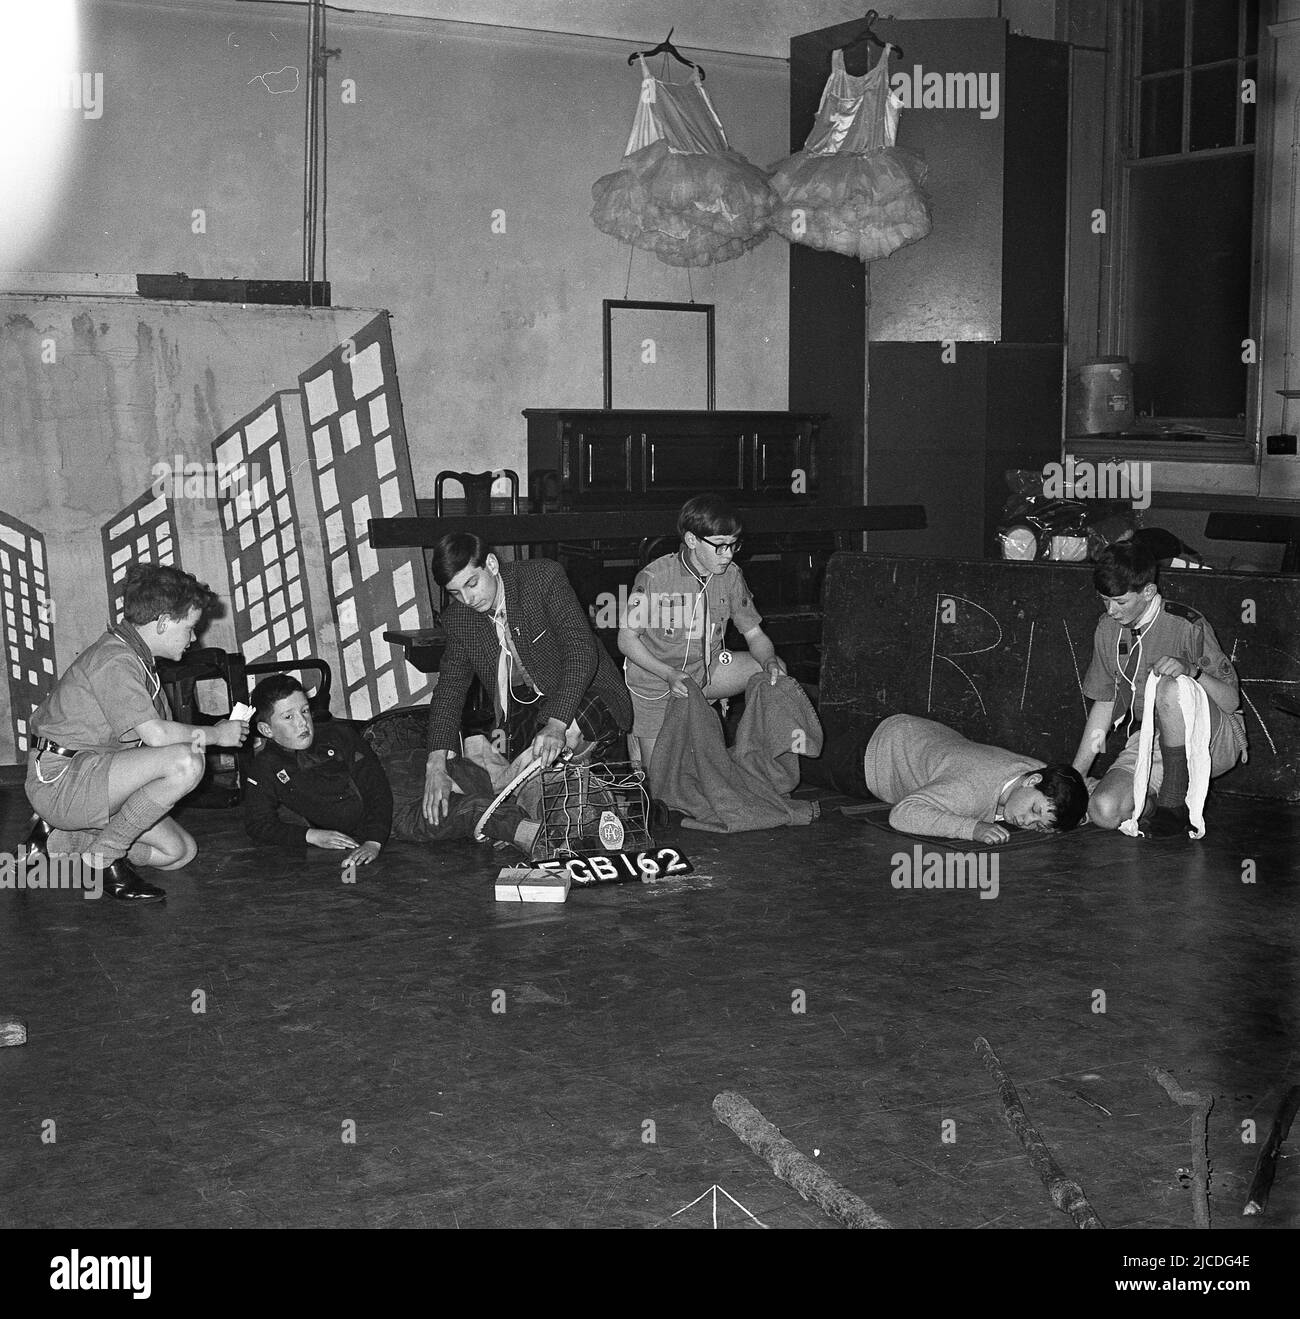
998 650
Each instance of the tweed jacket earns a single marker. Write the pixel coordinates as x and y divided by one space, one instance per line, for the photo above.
554 639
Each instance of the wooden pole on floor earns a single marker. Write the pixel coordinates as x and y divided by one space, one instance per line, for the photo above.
1067 1195
1266 1165
1200 1140
792 1167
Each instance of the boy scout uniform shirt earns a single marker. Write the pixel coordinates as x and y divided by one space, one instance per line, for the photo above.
104 695
1177 630
675 624
337 783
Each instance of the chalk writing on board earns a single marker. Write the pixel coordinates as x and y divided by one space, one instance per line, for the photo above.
939 601
1074 659
1269 682
1024 687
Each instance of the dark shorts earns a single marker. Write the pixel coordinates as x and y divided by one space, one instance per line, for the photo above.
841 765
75 794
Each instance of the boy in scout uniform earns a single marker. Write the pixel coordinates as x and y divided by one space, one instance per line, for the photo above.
108 762
1142 633
677 616
313 786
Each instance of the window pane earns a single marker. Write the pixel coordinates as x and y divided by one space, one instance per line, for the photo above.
1188 274
1252 25
1162 34
1215 93
1248 111
1214 30
1162 116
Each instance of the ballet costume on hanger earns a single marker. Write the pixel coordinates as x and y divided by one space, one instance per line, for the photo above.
682 192
851 190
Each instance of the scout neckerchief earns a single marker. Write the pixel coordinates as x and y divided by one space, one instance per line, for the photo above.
129 635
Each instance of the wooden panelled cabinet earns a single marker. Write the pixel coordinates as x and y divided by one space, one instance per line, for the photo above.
611 459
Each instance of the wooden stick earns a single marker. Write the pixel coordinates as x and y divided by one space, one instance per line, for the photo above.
1200 1140
1266 1165
792 1167
1067 1195
12 1031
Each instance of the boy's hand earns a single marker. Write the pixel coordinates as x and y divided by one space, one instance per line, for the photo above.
774 668
330 838
438 787
549 742
363 855
1169 667
678 686
229 732
991 833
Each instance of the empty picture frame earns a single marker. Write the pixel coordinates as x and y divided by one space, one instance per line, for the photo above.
659 355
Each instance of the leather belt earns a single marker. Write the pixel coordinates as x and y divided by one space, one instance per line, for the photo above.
44 744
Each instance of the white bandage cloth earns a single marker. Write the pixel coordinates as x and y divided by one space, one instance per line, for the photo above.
1195 708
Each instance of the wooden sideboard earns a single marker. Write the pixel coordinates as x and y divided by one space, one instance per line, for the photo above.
590 459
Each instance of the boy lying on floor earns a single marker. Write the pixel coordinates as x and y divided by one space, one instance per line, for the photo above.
944 786
309 786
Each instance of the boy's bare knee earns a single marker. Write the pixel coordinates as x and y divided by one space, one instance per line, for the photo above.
1105 811
185 768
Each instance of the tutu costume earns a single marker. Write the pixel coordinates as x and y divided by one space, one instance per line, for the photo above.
851 190
682 192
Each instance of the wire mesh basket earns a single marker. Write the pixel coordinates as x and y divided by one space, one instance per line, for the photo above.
597 807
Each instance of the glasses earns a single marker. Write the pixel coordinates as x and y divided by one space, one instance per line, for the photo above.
719 546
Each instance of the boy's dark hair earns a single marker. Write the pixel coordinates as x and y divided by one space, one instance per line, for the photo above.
708 515
270 692
1063 786
455 551
152 590
1126 566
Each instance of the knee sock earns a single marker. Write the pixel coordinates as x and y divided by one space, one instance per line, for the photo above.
1173 787
70 842
139 812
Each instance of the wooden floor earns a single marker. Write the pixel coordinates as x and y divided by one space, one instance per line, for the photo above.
587 1101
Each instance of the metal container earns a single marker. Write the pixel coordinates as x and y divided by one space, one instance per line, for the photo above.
1100 400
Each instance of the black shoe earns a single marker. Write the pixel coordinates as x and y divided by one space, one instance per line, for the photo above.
1167 822
37 845
122 881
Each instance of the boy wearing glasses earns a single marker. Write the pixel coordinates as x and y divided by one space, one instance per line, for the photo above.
677 617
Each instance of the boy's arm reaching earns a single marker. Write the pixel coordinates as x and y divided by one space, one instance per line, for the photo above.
761 648
1093 740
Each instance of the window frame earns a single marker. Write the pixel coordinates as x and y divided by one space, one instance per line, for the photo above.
1122 133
